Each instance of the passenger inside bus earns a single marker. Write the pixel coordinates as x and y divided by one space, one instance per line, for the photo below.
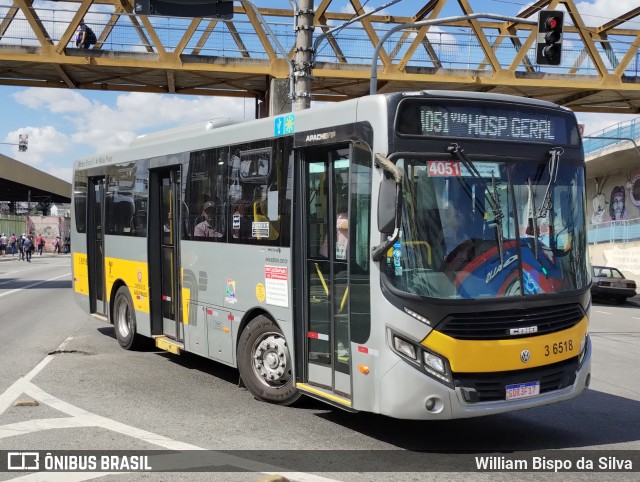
342 228
206 228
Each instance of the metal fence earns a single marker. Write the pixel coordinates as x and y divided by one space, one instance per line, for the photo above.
12 224
621 231
616 134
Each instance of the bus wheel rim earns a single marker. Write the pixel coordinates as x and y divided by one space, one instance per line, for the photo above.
122 314
270 360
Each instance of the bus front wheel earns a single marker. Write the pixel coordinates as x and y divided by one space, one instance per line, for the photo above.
124 319
265 364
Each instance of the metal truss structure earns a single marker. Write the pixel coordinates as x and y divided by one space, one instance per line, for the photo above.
239 58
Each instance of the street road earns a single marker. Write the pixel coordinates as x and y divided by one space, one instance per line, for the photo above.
92 395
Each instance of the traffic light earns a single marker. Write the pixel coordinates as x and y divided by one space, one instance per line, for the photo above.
23 142
549 48
185 8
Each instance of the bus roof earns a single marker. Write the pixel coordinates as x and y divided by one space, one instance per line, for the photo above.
203 134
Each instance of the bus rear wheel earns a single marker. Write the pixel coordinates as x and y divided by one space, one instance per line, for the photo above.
265 363
124 319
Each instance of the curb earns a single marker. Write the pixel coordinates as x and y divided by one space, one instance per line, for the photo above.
46 255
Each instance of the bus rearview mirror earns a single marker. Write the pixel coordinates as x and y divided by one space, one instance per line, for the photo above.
387 206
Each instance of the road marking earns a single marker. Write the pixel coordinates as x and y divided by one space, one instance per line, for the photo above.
79 417
603 312
34 284
8 397
635 318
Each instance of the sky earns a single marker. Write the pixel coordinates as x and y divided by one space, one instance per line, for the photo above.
64 125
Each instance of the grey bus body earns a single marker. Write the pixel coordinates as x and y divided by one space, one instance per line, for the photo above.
273 291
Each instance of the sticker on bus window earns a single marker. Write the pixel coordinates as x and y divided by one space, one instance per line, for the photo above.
456 169
260 229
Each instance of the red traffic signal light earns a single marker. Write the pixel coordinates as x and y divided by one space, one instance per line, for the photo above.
551 23
549 41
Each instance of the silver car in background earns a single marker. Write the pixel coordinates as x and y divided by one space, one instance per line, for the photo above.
610 283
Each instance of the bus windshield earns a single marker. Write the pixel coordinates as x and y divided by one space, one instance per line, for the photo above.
499 229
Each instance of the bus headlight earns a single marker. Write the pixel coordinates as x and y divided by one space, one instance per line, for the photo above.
404 347
583 349
434 362
417 316
437 366
434 365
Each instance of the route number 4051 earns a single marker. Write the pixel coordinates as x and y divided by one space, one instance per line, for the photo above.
444 168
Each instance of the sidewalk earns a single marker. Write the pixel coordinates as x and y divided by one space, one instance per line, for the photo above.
9 257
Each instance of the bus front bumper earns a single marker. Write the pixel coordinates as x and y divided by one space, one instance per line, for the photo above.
405 393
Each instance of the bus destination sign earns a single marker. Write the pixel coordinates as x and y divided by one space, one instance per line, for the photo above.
478 122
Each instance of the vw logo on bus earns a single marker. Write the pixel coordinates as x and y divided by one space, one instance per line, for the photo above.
525 355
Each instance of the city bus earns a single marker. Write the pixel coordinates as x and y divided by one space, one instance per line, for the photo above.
419 255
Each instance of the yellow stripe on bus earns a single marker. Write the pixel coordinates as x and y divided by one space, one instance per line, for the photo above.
334 398
473 356
80 274
134 274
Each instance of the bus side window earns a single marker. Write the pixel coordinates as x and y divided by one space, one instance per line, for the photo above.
205 190
258 207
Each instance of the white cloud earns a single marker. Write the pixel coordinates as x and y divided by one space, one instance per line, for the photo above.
95 126
53 100
44 142
601 11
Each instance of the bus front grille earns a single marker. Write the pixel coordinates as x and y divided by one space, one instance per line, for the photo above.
509 324
490 387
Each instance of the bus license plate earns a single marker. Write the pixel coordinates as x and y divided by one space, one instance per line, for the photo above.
522 390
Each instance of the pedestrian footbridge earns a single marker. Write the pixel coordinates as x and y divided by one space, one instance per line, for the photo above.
243 57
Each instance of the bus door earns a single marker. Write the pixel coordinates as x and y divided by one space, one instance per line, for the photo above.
95 246
164 266
326 196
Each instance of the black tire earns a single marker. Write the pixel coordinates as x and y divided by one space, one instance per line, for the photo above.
265 363
124 319
621 300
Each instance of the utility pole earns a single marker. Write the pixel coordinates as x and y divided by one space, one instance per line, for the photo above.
303 56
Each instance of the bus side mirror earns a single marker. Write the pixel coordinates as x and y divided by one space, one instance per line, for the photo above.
387 206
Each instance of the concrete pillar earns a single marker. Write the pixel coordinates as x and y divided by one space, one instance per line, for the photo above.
303 57
279 101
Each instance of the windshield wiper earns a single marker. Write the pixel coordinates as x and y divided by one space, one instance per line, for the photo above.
554 165
498 215
534 219
493 197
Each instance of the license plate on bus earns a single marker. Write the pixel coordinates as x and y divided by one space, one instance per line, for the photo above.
522 390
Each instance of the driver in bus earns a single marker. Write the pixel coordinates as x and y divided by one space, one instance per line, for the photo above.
458 245
452 227
206 229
